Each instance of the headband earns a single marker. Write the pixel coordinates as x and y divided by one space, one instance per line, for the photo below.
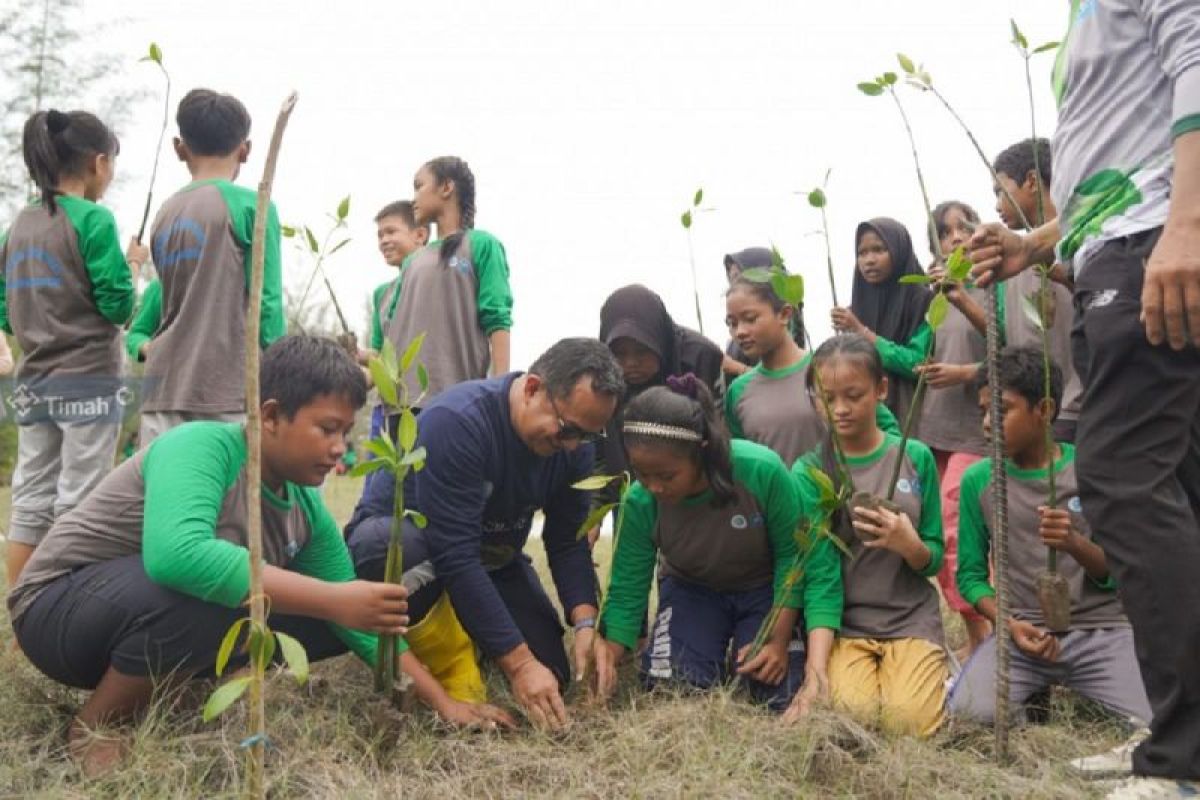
661 431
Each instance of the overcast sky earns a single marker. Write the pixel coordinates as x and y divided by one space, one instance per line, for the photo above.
589 125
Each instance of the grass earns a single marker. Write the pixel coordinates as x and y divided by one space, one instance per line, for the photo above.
334 738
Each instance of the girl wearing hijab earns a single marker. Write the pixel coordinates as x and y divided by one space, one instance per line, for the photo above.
889 313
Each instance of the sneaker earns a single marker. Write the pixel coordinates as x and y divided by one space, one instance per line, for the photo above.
1154 789
1114 763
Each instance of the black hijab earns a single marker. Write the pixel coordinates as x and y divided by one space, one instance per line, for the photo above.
891 309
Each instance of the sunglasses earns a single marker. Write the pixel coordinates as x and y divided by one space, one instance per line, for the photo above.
569 431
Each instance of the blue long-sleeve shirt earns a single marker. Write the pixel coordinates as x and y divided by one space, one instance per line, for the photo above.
479 490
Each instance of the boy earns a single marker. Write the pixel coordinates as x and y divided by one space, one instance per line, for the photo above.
1016 175
1096 656
145 576
201 247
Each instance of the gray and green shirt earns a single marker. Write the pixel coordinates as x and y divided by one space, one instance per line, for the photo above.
950 417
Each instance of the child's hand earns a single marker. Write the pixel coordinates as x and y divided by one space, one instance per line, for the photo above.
941 376
769 666
474 715
814 691
1033 640
606 655
893 531
844 321
1056 529
136 255
371 606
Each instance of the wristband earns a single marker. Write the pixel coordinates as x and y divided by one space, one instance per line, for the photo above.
586 622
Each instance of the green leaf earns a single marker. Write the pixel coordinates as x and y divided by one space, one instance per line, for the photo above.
338 246
415 456
594 482
594 519
383 381
155 53
870 88
939 307
367 467
686 219
343 209
422 378
382 447
1030 309
816 198
958 266
789 288
411 352
228 643
698 198
758 274
1018 38
408 430
224 697
312 239
1048 46
295 656
261 646
288 231
388 355
906 63
419 519
777 264
824 484
924 280
888 79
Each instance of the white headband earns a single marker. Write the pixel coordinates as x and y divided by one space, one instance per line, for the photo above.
662 431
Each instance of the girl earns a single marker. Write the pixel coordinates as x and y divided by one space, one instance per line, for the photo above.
951 422
67 289
720 518
454 290
888 663
889 313
736 361
769 404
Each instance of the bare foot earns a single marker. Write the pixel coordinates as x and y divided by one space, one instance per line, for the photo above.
95 752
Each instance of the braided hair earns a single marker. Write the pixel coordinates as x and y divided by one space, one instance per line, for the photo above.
453 168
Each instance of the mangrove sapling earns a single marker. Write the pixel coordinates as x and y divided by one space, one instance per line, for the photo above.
686 220
261 640
320 252
399 456
817 199
594 483
155 55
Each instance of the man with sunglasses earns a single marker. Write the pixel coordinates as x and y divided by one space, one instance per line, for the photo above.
499 451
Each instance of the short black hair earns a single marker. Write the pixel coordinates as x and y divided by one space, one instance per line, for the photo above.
1021 371
569 360
211 123
400 208
297 369
1016 161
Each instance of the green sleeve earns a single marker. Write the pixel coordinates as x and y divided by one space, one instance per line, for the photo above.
974 541
778 497
930 527
736 390
242 205
145 321
632 569
376 317
187 473
494 301
822 586
112 280
326 558
902 359
4 323
885 420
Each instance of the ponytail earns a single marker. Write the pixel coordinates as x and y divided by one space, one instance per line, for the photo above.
57 145
683 415
453 168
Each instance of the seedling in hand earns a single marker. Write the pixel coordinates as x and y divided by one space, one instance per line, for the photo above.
155 55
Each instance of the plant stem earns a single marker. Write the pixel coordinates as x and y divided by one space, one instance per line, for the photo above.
1037 171
829 257
616 540
157 152
913 409
933 235
695 281
999 526
839 454
1052 498
255 753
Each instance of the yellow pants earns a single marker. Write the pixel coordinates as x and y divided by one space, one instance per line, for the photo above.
898 683
440 643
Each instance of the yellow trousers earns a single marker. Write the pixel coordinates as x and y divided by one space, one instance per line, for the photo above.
899 684
443 646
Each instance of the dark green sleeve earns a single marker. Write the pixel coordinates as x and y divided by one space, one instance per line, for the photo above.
112 280
632 569
930 526
778 497
242 205
187 473
494 301
902 359
376 318
736 390
885 420
326 558
974 541
822 588
145 321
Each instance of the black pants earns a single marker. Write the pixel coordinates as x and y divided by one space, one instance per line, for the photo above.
518 585
111 614
1139 479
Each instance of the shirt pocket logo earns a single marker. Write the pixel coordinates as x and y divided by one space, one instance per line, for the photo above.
739 522
1075 504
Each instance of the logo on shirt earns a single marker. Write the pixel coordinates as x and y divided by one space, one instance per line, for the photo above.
462 265
907 486
38 256
292 549
1100 298
741 522
183 240
1075 504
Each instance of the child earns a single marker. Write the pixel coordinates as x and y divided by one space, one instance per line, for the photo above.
889 313
147 574
1015 174
65 290
888 664
769 404
736 361
1096 656
201 243
454 290
950 420
720 519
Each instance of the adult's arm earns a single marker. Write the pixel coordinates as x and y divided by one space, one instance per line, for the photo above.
567 552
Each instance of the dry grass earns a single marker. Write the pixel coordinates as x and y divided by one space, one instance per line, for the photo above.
334 738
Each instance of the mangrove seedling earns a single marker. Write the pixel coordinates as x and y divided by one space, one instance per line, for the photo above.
319 252
594 483
396 452
817 199
686 219
155 55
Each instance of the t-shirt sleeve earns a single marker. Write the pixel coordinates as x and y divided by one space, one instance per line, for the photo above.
1173 28
567 552
930 527
885 420
242 210
494 301
326 558
903 358
822 586
732 398
145 321
187 473
376 343
974 541
779 498
632 569
112 280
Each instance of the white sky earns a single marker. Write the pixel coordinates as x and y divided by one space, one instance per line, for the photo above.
589 125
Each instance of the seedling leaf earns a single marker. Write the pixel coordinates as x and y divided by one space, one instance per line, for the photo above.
816 198
699 197
889 79
824 484
1048 46
594 519
261 646
338 246
383 381
758 274
367 467
958 266
155 53
790 288
1018 38
408 430
777 264
382 447
422 378
686 219
1030 309
294 656
906 63
419 519
411 352
287 231
227 644
312 239
224 697
343 209
388 355
870 88
938 308
594 482
414 457
918 279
